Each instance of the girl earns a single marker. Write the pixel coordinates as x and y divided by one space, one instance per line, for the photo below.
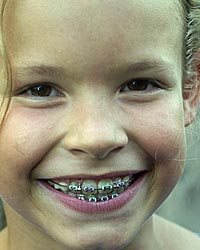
93 139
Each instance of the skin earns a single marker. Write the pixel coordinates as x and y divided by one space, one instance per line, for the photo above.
94 43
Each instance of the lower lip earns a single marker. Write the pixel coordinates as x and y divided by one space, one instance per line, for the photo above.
99 207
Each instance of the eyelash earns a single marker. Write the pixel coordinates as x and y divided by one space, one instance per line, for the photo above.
38 87
143 86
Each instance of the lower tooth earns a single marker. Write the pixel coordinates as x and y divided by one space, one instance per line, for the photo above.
104 198
81 197
92 199
114 195
71 194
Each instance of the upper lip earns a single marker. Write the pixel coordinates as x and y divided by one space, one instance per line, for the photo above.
98 177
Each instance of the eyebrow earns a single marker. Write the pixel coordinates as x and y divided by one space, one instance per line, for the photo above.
158 66
55 71
40 69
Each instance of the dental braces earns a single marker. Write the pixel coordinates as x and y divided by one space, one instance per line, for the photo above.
94 199
91 188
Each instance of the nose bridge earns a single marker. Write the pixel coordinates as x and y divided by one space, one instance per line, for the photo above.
94 130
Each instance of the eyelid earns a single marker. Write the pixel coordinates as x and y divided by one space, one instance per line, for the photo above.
32 85
155 82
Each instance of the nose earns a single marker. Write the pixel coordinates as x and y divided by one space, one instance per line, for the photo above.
96 136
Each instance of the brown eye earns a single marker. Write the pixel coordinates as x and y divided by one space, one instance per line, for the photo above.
41 90
140 85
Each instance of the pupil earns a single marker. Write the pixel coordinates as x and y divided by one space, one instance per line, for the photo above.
138 85
41 91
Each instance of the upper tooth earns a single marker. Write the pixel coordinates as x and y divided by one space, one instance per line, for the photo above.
105 186
56 186
119 184
126 180
75 187
89 187
63 184
59 186
64 187
51 182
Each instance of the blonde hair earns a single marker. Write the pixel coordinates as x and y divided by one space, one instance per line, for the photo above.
192 33
5 71
191 19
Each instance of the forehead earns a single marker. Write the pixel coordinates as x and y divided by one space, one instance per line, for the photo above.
93 28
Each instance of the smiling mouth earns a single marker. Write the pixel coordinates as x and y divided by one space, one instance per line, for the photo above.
93 190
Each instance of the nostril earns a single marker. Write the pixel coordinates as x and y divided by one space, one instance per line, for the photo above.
77 151
116 150
96 154
103 154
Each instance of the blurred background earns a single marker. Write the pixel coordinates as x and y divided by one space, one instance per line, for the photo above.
183 205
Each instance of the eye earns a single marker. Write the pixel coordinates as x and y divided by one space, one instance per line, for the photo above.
41 90
142 85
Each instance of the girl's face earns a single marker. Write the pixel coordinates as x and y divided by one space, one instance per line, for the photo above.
97 95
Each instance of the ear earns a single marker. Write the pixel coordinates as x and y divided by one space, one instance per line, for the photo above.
191 91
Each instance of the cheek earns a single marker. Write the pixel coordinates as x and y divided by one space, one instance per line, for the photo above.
164 139
160 133
25 137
